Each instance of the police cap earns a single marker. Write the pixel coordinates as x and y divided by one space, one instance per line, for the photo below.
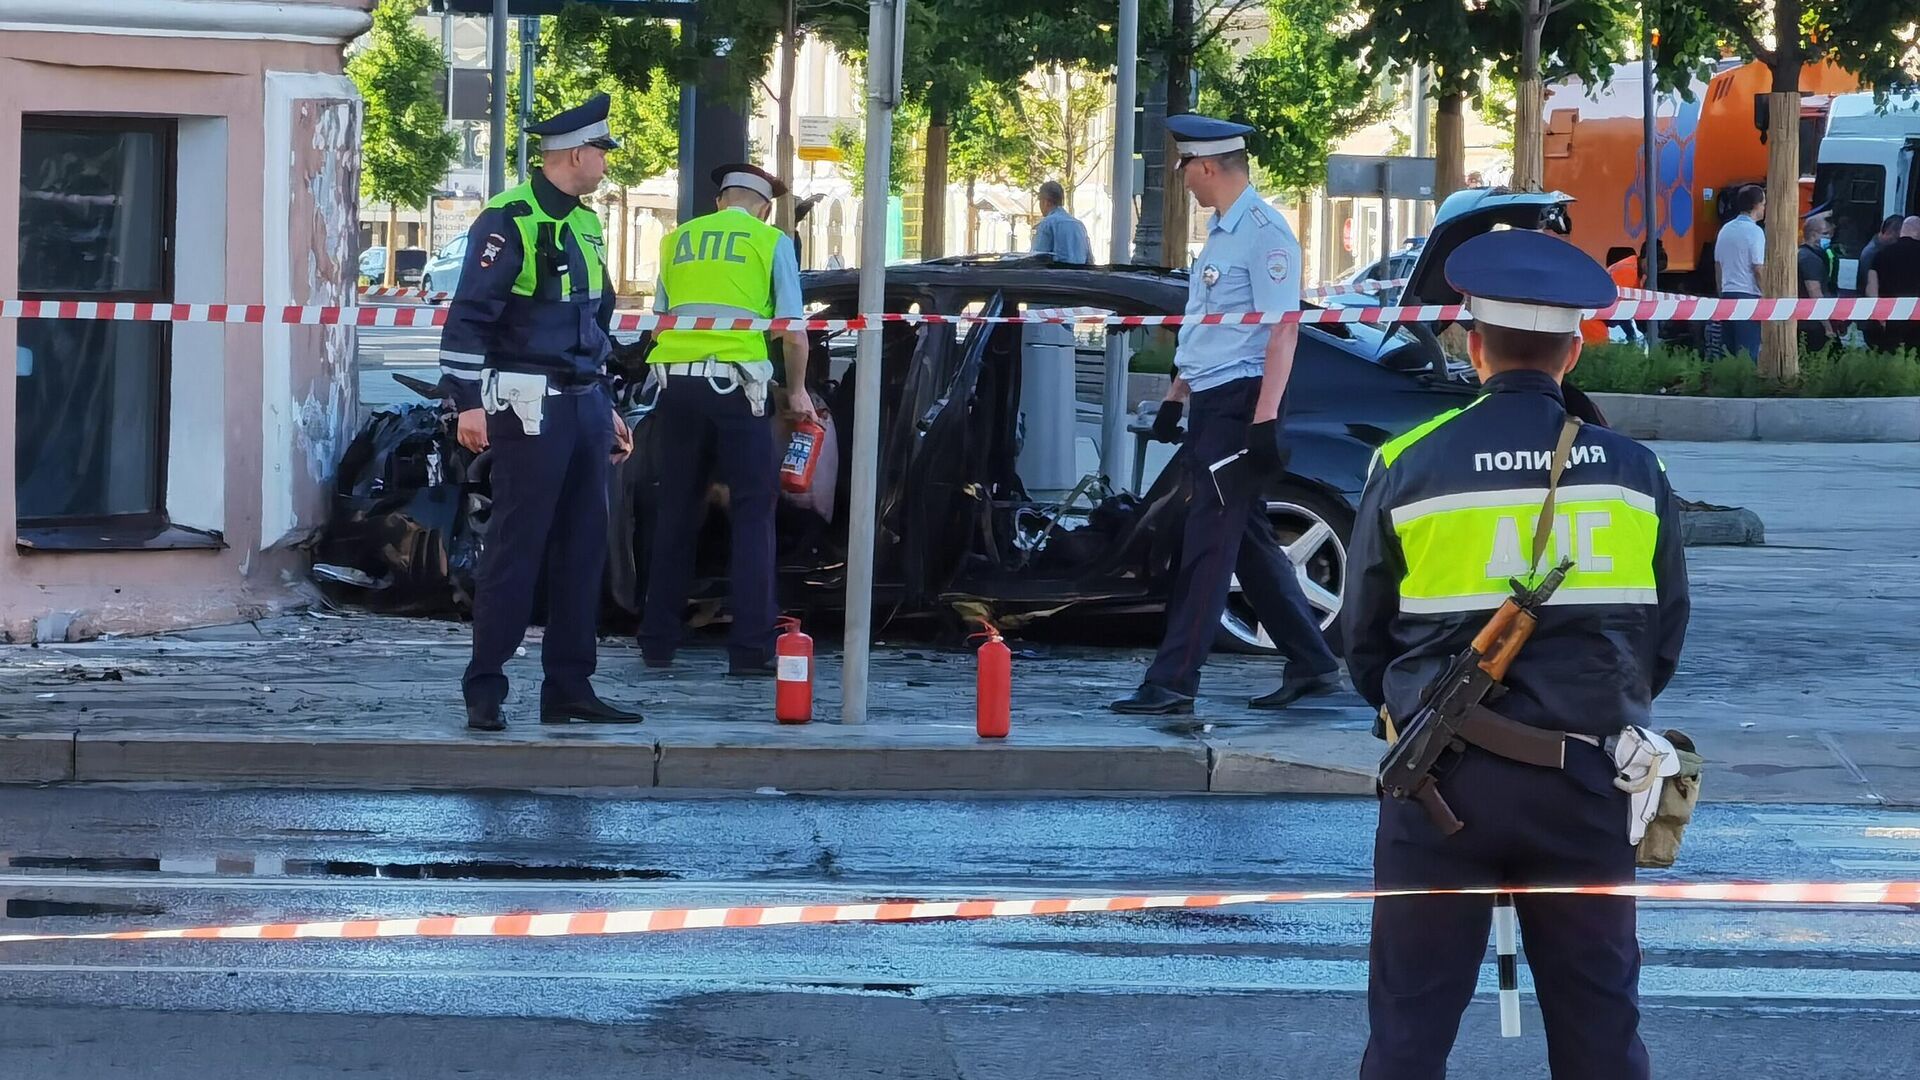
582 125
751 177
1528 280
1204 136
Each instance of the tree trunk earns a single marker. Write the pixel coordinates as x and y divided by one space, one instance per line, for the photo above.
1780 341
1450 147
783 119
1530 102
622 240
393 247
1174 220
933 218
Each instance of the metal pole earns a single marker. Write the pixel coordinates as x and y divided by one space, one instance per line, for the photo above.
1651 162
497 141
882 96
1113 428
529 38
1386 224
1422 145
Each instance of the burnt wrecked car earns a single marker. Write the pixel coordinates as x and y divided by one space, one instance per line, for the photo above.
960 531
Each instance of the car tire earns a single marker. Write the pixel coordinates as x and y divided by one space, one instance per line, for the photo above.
1316 531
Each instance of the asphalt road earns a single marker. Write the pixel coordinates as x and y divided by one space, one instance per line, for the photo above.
386 351
1730 990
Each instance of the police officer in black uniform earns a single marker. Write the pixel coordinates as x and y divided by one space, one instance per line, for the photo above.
1446 520
524 355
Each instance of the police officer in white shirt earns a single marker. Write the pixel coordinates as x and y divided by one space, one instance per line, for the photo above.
1237 377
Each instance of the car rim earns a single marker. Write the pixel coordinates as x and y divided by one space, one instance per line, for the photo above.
1319 561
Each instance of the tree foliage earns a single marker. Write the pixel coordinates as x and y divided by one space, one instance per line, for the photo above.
406 148
584 51
1299 89
1875 39
1458 42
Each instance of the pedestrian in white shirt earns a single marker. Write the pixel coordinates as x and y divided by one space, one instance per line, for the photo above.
1740 252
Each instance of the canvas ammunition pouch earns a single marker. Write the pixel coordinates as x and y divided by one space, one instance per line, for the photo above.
1661 773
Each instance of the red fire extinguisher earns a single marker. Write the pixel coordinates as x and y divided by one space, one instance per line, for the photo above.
793 686
993 689
796 468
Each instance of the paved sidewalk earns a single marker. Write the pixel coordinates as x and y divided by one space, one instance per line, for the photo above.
1799 683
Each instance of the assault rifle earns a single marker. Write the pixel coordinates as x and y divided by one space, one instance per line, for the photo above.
1452 710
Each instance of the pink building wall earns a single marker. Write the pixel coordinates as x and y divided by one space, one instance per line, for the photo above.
275 404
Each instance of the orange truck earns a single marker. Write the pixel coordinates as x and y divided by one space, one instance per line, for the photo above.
1707 150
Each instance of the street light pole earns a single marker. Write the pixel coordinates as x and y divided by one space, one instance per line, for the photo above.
497 141
885 27
529 35
1113 432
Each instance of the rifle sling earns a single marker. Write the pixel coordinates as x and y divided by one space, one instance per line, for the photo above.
1543 528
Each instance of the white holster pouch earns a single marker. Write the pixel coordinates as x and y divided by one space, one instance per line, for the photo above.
1642 762
525 394
756 379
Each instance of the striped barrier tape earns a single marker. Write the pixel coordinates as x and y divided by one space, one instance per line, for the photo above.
403 292
655 920
1897 309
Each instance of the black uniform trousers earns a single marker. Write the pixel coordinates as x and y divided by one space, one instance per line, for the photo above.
1525 825
549 509
1221 539
697 421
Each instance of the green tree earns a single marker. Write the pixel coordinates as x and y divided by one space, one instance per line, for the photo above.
1299 89
406 148
1458 44
1874 39
584 51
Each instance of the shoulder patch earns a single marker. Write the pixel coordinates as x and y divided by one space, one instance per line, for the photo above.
1279 264
490 250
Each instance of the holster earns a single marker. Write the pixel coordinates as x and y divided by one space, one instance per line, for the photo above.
1679 795
525 394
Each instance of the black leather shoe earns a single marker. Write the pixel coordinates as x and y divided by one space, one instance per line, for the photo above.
738 668
485 716
1151 700
590 709
1293 689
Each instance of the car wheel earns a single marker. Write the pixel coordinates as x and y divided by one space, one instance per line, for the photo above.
1314 532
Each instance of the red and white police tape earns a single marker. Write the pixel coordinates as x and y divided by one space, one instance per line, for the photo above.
654 920
1364 288
1691 309
402 292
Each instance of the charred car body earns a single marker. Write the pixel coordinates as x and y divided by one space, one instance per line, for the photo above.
959 532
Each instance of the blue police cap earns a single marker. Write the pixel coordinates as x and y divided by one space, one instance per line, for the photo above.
1205 136
1529 280
751 177
582 125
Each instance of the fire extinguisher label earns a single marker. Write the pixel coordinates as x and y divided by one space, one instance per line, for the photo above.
793 669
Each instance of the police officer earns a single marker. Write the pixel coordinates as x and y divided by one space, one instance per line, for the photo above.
523 355
1235 378
1447 518
714 391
